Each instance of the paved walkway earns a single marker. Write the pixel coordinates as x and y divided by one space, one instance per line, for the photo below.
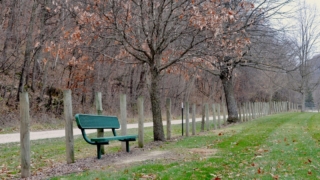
15 137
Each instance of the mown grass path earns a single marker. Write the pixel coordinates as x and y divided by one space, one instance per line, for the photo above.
283 146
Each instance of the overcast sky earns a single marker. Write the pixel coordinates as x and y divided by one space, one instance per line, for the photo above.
316 2
288 21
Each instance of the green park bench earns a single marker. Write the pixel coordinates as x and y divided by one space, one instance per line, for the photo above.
89 121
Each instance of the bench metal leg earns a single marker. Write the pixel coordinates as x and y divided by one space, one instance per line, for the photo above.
99 151
127 146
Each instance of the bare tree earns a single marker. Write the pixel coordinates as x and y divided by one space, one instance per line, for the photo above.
227 50
306 36
155 33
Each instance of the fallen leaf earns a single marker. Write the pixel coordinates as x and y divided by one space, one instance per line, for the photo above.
275 176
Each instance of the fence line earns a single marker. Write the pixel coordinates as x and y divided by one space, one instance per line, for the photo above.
248 111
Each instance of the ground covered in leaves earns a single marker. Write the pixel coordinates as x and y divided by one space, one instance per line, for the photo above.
117 160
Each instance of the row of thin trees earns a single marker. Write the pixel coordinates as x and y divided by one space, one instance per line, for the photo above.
188 50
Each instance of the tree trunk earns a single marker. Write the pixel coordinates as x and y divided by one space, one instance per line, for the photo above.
227 83
38 56
44 79
142 81
28 51
158 134
8 31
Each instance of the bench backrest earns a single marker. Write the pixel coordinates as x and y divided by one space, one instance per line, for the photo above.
89 121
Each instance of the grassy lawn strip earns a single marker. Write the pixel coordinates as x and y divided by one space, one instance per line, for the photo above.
284 146
47 152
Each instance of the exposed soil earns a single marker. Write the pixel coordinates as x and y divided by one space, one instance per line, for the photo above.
117 160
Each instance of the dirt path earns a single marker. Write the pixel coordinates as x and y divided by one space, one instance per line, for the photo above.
15 137
119 161
114 161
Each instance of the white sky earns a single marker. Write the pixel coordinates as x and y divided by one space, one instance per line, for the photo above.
289 23
317 4
314 2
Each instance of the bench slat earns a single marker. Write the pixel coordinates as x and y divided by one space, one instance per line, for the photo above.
87 121
120 138
90 121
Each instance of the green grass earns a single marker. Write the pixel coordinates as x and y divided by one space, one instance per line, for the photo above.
46 152
36 126
283 146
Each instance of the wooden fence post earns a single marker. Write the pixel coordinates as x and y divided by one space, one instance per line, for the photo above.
214 116
258 110
254 106
279 107
24 135
224 114
207 116
239 112
168 108
270 108
98 100
123 116
255 111
67 101
219 116
140 122
203 118
244 111
246 106
194 119
187 118
267 108
250 111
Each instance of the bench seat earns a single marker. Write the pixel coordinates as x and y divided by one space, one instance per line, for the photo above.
120 138
89 121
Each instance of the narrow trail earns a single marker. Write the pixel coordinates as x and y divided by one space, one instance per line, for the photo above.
15 137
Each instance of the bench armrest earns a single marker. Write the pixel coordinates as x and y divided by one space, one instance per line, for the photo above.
85 137
114 132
